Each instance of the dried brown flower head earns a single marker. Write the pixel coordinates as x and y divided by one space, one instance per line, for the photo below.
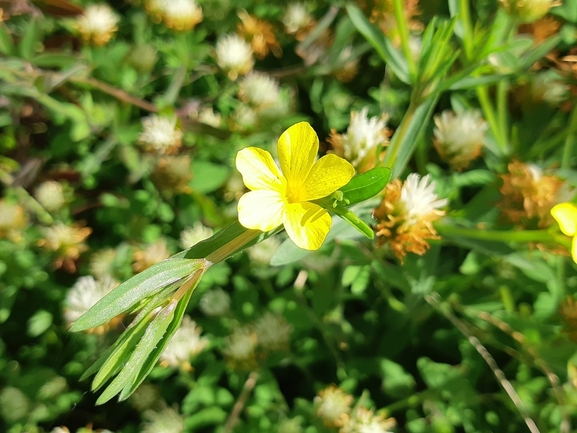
529 195
406 215
260 34
67 241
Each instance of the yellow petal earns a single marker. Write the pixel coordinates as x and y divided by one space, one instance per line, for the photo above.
297 150
566 215
327 175
307 224
574 249
261 210
258 169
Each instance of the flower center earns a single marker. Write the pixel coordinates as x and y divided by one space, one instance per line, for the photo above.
295 193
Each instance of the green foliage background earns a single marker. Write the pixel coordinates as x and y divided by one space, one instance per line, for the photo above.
406 339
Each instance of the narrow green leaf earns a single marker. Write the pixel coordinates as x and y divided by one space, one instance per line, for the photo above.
153 357
392 57
115 360
154 333
6 44
366 185
142 285
529 58
31 39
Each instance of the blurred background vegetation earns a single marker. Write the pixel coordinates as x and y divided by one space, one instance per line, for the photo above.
120 122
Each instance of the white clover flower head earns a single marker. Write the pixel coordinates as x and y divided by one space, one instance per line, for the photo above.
263 252
208 116
86 292
418 198
363 135
167 420
259 90
245 117
186 343
240 345
331 404
215 303
160 134
152 254
190 236
177 14
272 332
50 195
102 262
234 55
364 420
528 11
296 17
290 425
459 138
97 24
12 217
549 88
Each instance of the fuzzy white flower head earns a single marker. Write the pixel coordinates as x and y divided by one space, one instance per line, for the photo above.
185 344
259 90
167 420
215 303
332 404
263 252
50 195
418 198
234 55
296 17
152 254
210 117
240 345
272 332
364 420
97 24
190 236
460 137
177 14
549 88
102 262
160 134
86 292
363 135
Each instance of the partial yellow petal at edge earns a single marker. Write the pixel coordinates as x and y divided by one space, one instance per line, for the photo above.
566 215
329 173
261 210
297 150
307 224
258 169
574 249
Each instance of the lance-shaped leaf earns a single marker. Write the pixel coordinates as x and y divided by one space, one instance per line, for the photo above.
139 287
154 333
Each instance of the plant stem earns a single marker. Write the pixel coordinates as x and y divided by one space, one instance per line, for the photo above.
496 235
570 140
435 301
404 34
241 401
465 15
234 245
489 113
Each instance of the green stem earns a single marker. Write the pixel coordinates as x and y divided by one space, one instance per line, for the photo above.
465 15
570 140
502 110
233 246
404 34
496 235
489 113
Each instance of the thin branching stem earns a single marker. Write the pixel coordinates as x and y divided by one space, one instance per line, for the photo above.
435 301
247 388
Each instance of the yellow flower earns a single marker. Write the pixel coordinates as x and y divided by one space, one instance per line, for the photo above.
285 195
566 215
